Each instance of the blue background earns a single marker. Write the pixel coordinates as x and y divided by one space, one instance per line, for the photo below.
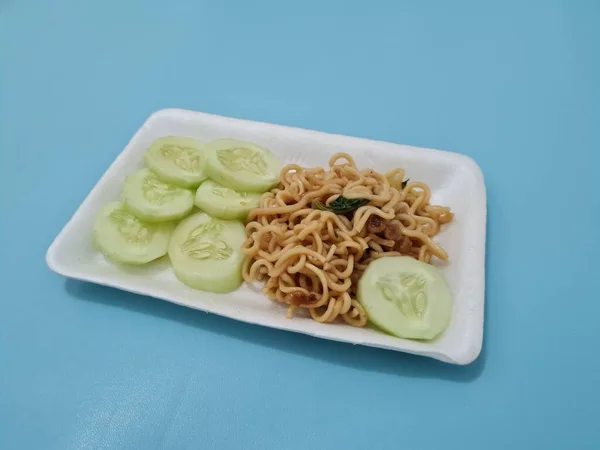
515 85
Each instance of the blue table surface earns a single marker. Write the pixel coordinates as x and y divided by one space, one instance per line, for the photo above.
515 85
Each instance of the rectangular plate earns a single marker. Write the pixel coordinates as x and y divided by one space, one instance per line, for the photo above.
455 180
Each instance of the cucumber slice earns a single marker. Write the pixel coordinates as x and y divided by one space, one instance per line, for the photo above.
177 160
225 203
125 239
155 201
406 297
206 253
242 166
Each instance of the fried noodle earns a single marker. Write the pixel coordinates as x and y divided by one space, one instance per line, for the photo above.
312 259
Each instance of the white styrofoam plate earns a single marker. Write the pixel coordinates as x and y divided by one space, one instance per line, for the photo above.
455 180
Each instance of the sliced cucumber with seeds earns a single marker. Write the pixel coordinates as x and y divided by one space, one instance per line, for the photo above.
242 166
206 253
406 297
153 200
177 160
225 203
125 239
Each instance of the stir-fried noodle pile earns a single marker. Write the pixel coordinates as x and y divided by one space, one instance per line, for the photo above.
310 242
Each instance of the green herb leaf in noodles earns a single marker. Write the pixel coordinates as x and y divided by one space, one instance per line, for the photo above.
342 205
405 182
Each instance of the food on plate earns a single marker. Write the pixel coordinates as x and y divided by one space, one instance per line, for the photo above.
338 243
177 160
206 253
314 235
405 297
153 200
225 203
125 239
242 166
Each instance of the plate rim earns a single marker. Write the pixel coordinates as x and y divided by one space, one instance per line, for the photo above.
465 357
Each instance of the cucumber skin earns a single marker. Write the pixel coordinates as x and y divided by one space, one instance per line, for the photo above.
172 180
116 260
225 215
426 332
218 287
112 255
224 212
162 174
228 281
220 175
153 219
229 180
